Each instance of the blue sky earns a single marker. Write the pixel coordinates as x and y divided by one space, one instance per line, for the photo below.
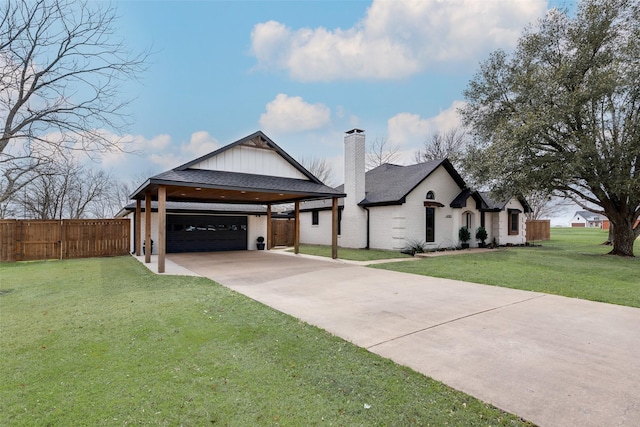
304 72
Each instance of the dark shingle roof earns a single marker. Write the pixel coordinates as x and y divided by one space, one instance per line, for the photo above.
461 199
389 184
491 204
242 181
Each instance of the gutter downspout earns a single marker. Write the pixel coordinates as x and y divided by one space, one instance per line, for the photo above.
367 209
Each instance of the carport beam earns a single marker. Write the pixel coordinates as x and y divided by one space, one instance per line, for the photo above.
269 240
147 227
162 226
136 226
296 235
334 228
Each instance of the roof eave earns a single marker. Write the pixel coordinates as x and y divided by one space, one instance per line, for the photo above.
366 204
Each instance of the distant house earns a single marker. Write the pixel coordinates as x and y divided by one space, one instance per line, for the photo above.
588 219
390 206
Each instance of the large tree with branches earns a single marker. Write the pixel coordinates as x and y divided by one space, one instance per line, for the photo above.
450 144
381 151
62 70
562 113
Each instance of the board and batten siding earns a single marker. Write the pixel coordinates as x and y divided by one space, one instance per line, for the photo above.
251 160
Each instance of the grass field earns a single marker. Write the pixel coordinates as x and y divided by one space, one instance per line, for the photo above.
104 342
572 263
351 254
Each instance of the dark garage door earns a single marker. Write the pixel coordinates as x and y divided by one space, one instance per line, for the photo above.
202 233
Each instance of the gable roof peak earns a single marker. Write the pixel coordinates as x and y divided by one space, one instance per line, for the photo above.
258 140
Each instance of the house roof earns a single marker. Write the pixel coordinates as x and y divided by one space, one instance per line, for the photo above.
461 199
390 184
491 204
186 184
589 215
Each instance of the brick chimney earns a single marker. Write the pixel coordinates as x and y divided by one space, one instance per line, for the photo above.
354 218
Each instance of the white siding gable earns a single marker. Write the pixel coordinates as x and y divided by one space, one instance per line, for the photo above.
252 160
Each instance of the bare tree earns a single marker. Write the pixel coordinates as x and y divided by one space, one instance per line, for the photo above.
380 152
68 191
443 145
320 168
61 76
544 204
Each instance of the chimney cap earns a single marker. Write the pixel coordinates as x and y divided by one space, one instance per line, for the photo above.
354 130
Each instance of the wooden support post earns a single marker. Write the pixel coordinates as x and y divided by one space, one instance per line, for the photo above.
296 236
136 226
62 237
162 226
147 227
334 228
269 239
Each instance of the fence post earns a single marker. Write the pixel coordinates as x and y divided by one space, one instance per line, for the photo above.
61 237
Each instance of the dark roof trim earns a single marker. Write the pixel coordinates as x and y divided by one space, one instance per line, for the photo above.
525 205
461 200
400 201
433 204
248 138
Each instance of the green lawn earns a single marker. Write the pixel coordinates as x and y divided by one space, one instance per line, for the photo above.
572 264
351 254
104 342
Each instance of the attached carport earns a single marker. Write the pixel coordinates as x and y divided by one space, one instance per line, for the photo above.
225 176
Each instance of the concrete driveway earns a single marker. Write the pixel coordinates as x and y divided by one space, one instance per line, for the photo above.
552 360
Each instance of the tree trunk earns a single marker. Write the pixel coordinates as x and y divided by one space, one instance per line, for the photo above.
624 237
609 241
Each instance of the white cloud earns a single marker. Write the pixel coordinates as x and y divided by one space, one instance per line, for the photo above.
411 129
292 114
142 154
395 39
201 143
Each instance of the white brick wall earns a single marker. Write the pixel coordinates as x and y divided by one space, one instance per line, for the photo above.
316 234
355 235
391 227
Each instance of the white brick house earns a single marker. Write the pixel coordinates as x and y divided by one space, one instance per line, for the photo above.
391 205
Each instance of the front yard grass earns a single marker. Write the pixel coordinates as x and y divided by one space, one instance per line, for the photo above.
105 342
351 254
572 263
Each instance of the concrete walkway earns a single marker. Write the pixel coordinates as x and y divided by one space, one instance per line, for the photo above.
552 360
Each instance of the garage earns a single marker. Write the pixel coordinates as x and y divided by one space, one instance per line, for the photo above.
252 171
206 233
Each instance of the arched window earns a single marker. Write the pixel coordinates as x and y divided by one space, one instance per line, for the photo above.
431 195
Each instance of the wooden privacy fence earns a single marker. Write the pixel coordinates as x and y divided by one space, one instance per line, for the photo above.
26 240
539 229
282 232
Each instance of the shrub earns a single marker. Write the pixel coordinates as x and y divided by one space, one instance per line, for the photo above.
414 247
464 235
